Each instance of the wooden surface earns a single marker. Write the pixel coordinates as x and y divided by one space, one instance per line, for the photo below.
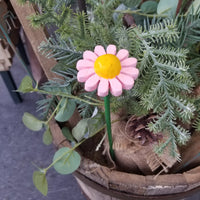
35 36
122 185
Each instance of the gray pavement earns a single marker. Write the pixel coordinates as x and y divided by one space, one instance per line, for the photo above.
19 147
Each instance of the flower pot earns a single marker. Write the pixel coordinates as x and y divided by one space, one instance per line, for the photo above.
102 183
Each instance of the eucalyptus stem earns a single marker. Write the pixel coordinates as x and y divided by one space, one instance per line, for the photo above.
138 13
53 113
62 94
108 124
55 161
77 145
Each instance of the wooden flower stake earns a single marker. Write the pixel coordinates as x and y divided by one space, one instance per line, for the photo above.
108 124
107 71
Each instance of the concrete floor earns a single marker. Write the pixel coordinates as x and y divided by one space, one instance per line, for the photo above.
19 147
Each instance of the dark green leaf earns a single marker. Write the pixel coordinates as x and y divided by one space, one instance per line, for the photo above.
95 124
47 137
149 7
67 160
167 7
67 109
80 130
40 182
32 122
67 133
88 127
26 85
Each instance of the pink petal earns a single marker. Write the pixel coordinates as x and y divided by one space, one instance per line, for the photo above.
89 55
82 64
126 81
92 83
84 74
115 87
122 54
129 62
103 87
111 49
99 50
131 71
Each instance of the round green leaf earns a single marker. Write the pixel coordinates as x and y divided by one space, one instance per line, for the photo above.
40 182
67 160
47 137
167 7
67 109
149 7
26 85
32 122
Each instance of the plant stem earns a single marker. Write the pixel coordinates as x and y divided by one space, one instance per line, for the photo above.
62 94
108 124
139 13
77 145
70 151
53 113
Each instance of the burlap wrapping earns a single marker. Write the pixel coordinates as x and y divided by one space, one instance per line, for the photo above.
131 156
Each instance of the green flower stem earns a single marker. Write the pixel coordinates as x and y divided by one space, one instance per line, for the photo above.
108 124
62 94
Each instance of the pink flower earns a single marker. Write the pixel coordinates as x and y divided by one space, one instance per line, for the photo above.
107 70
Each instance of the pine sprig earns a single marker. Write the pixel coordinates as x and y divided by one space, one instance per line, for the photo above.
60 49
46 106
194 70
52 12
160 32
188 27
159 84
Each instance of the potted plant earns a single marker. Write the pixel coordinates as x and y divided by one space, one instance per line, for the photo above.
156 44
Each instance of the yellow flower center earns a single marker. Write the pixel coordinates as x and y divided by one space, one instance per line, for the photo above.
107 66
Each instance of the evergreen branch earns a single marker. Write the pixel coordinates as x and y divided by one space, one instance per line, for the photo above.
189 29
171 53
60 49
47 106
194 70
182 135
186 110
158 87
160 32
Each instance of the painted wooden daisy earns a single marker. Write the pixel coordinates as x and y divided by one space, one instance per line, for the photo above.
107 70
